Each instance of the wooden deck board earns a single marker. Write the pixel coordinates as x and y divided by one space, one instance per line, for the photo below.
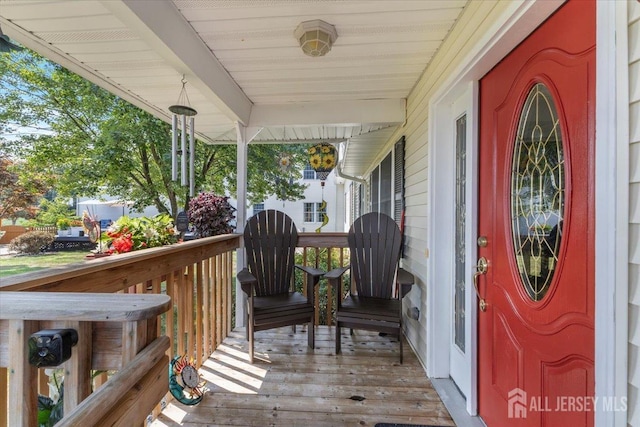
292 385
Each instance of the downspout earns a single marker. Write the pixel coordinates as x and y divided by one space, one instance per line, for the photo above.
339 173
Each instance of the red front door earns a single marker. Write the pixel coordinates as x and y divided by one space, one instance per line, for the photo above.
536 334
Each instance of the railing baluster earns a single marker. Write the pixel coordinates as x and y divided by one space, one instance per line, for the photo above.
206 305
23 377
329 292
77 371
218 300
227 284
169 315
189 312
4 387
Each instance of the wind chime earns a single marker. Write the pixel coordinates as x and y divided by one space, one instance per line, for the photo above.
180 130
284 164
322 158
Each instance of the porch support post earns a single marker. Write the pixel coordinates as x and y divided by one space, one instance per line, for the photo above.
244 135
241 215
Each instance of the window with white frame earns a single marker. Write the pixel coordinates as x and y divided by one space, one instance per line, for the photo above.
258 207
313 212
308 172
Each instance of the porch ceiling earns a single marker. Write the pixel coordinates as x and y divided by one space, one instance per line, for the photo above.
242 62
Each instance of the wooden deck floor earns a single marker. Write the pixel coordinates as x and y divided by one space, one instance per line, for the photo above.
292 385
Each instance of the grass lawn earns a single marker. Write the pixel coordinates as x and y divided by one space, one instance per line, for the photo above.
18 264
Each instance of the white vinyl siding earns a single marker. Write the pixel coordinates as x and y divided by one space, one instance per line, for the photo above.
633 391
474 22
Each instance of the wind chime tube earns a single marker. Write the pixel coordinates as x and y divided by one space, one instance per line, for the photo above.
183 158
174 147
192 156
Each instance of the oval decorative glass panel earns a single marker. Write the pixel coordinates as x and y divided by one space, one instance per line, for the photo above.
537 192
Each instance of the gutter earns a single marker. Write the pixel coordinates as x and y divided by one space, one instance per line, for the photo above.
339 174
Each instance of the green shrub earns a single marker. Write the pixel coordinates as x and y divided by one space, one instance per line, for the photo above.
317 257
63 223
32 242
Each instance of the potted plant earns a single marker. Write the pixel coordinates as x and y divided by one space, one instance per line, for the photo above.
64 226
211 215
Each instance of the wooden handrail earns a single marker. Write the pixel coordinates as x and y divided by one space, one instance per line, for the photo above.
115 273
82 306
322 240
22 314
91 411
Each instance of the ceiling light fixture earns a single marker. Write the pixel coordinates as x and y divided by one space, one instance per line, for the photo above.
316 37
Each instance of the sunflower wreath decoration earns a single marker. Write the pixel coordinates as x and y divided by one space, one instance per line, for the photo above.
322 158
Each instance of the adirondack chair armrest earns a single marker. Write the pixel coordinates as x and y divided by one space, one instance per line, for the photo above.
313 277
406 280
336 273
315 272
247 280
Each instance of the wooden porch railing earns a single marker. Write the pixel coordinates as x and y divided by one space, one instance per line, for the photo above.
197 276
93 316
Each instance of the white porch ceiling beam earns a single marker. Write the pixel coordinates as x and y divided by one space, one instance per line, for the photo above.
330 113
164 28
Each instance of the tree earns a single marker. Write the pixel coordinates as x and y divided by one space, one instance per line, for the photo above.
18 197
89 142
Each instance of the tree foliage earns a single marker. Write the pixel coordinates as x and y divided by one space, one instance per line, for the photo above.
18 195
86 141
50 211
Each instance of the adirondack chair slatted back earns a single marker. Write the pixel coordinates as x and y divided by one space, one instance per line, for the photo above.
270 238
374 241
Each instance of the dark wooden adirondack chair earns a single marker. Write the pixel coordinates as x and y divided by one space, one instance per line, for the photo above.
374 242
270 239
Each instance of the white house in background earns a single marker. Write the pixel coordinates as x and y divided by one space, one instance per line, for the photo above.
109 208
307 213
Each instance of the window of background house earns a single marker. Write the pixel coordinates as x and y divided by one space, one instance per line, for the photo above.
313 212
258 207
308 172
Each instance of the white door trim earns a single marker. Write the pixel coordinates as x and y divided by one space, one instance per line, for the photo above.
612 151
612 210
443 217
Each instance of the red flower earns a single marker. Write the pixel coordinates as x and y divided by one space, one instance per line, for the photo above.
123 244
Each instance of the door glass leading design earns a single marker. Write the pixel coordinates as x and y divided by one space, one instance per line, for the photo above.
537 192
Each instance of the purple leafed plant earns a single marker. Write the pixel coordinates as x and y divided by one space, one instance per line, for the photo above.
211 215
